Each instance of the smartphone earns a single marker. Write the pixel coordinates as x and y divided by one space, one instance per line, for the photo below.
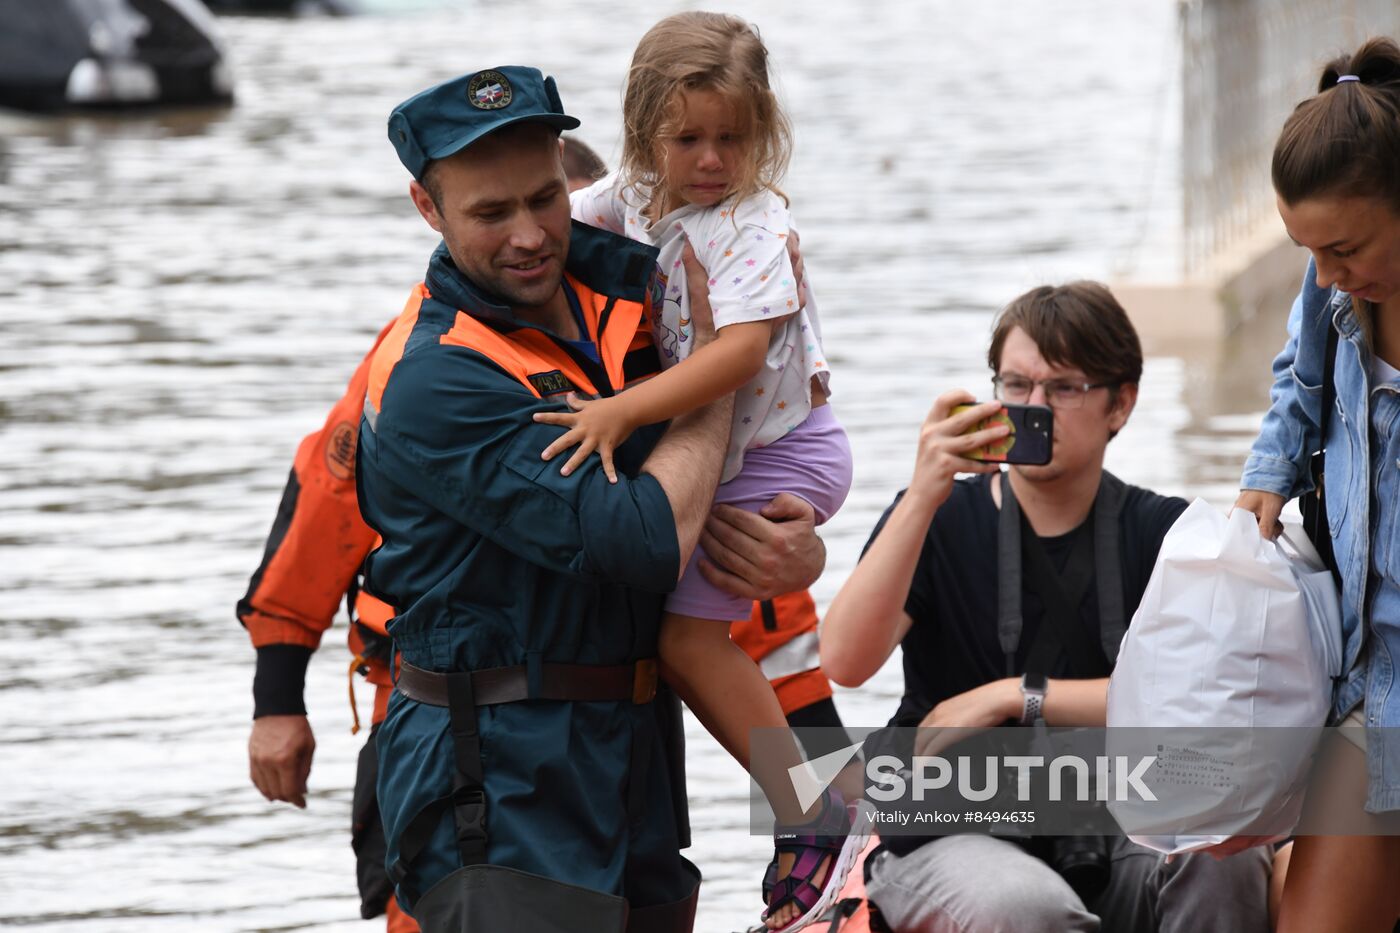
1032 433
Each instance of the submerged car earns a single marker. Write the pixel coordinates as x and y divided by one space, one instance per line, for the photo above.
62 54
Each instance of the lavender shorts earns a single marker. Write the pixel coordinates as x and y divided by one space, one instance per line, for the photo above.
812 461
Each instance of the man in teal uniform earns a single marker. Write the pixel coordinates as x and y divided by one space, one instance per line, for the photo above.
523 771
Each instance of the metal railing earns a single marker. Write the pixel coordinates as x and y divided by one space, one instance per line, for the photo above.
1245 65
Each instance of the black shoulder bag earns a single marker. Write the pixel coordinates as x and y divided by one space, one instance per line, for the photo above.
1313 504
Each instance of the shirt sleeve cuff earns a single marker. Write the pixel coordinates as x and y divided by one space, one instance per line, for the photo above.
280 681
1270 474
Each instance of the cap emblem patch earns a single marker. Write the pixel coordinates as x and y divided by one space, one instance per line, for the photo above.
489 90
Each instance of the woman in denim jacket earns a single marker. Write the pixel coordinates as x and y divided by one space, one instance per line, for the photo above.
1336 171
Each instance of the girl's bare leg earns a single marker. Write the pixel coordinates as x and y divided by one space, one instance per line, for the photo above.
1276 879
1345 884
730 696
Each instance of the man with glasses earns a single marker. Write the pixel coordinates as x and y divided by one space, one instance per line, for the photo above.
937 579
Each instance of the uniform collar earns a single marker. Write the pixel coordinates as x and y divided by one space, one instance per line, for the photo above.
604 262
447 284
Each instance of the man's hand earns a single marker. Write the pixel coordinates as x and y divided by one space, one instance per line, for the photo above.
697 284
967 714
279 757
763 555
943 447
600 424
1266 507
688 458
799 273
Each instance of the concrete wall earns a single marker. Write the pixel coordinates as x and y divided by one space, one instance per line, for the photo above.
1259 278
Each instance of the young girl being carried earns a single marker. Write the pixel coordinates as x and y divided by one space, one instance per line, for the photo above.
705 145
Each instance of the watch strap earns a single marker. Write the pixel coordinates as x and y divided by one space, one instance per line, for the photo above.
1032 697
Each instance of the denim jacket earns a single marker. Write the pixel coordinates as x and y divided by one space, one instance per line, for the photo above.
1288 438
1278 464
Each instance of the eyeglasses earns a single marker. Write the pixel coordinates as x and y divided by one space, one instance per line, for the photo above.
1059 393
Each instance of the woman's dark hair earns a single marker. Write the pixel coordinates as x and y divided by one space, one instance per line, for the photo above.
1345 140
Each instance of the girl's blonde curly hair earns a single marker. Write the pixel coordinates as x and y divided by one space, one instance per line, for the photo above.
699 51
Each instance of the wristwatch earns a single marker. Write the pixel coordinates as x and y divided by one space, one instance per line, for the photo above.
1032 697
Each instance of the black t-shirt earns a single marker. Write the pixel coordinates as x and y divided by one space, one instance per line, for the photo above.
952 646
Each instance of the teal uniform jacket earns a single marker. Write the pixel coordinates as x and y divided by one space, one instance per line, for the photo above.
499 561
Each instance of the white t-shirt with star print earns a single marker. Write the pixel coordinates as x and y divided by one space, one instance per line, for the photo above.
743 246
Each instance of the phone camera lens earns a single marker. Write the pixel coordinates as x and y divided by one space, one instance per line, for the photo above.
1036 422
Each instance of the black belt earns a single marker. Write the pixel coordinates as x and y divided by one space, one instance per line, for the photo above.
580 682
462 692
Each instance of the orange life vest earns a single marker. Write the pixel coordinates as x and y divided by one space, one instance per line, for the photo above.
781 635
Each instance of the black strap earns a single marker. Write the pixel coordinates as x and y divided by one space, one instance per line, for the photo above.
467 800
468 783
842 912
1108 567
1313 505
603 321
770 615
1009 619
1329 383
1108 571
352 593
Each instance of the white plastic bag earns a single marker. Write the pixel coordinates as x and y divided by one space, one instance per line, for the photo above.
1232 631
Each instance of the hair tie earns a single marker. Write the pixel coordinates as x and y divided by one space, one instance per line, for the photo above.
1348 78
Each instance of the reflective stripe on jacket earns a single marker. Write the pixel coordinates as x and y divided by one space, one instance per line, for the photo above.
781 635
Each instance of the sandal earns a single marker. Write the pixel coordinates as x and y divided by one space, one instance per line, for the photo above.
838 833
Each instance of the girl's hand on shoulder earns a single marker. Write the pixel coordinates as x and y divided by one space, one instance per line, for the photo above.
600 424
1266 507
944 448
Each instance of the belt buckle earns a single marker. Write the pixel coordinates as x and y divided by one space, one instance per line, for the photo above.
644 681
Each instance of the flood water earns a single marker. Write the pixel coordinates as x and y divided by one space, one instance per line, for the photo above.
183 295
